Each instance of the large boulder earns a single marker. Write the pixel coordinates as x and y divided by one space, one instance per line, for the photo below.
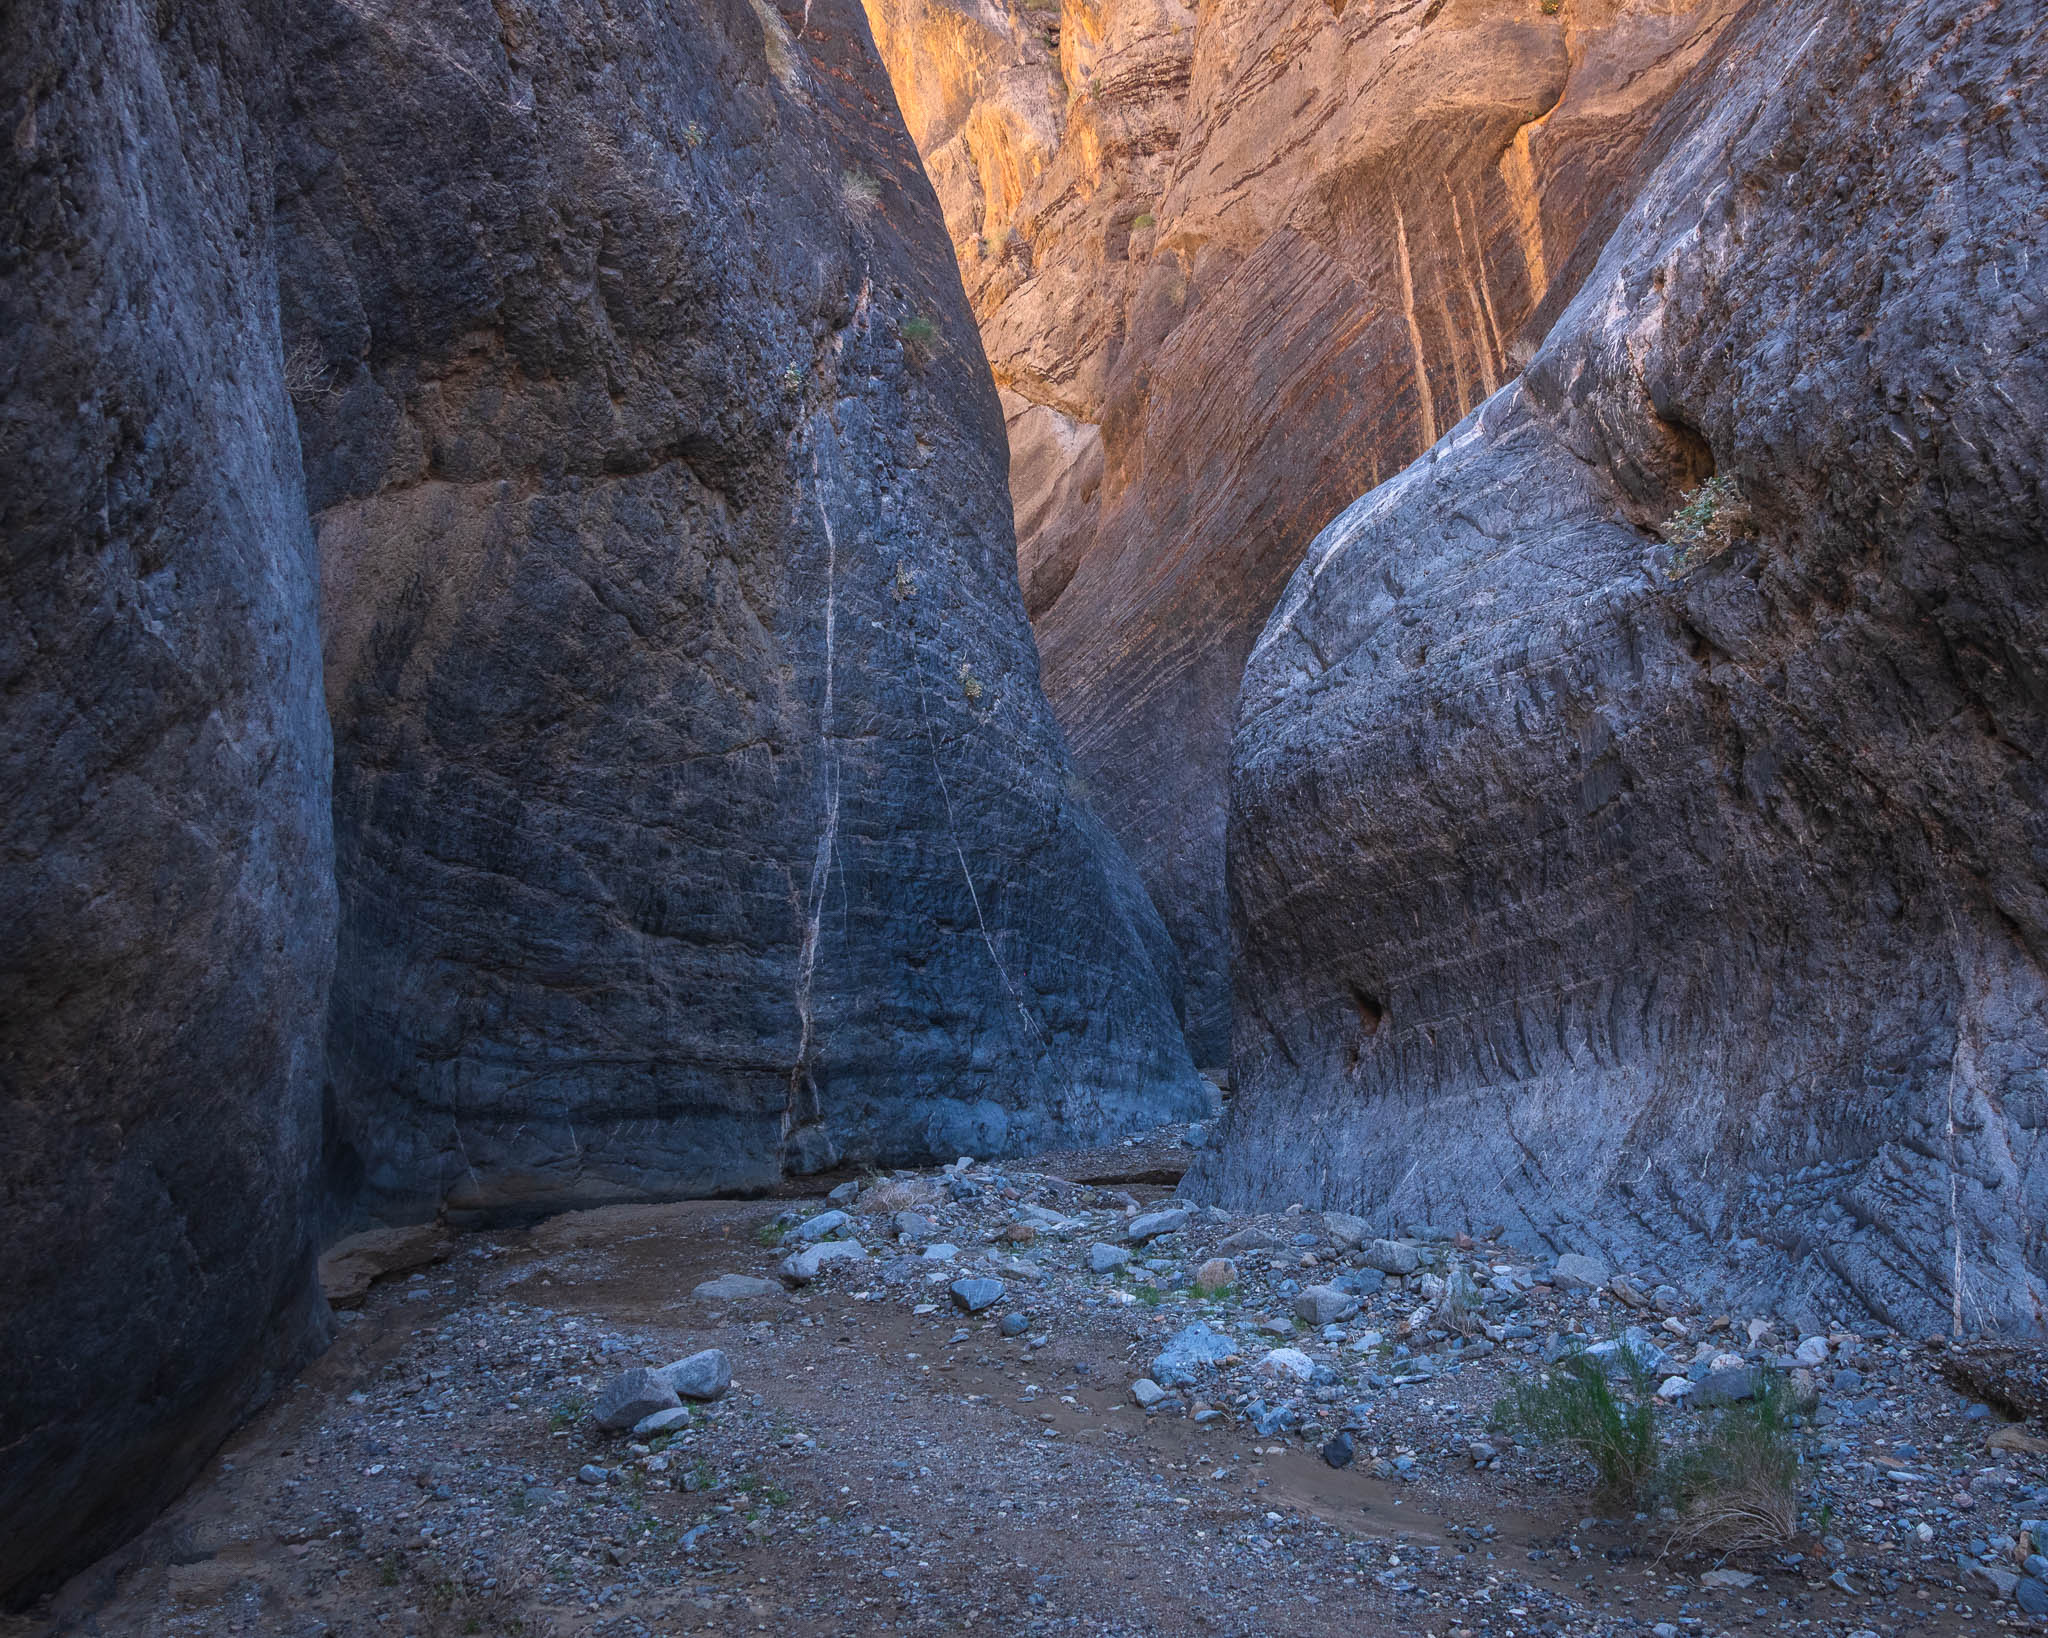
698 813
1658 865
166 886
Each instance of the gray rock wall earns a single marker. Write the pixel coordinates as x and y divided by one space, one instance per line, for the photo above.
1691 903
165 871
697 808
694 809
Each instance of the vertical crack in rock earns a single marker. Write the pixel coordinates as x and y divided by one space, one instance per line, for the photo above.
828 829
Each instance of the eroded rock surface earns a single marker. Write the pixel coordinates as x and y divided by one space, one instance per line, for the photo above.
695 809
1233 266
166 896
698 811
1680 894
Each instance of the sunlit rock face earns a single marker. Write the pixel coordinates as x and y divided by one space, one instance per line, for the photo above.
1233 266
1669 878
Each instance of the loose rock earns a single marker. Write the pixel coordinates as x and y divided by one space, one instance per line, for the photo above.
631 1396
704 1375
975 1295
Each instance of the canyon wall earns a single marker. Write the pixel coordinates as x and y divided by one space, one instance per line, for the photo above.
1233 266
1658 866
695 812
167 871
698 811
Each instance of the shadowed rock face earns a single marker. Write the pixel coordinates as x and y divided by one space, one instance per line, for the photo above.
698 812
166 871
695 811
1677 897
1232 268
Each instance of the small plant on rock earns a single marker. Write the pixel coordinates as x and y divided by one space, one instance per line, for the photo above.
861 192
1458 1310
920 340
1713 518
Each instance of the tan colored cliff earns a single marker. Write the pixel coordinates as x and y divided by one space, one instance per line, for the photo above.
1234 265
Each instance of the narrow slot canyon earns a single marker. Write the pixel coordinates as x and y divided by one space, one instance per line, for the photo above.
1023 816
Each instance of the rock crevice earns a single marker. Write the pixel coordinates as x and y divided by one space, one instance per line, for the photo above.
1245 262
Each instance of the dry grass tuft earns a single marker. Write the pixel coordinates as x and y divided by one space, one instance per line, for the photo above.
899 1194
861 192
1738 1487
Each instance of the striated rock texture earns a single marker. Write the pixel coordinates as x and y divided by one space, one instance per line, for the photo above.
166 868
1233 266
698 812
694 809
1677 887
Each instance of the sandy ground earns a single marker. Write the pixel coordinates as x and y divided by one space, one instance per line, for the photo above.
876 1468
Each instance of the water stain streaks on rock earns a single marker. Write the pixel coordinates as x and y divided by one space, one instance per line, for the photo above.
1233 266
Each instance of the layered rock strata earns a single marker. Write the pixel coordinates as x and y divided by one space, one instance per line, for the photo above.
1639 834
697 808
695 814
1232 266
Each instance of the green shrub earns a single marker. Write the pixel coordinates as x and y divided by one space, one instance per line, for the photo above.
920 339
1713 518
1738 1485
1575 1405
1143 220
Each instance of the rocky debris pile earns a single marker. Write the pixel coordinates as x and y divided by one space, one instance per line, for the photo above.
1327 1330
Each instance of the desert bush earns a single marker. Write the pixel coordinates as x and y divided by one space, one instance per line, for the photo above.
1737 1486
1713 518
900 1194
1574 1404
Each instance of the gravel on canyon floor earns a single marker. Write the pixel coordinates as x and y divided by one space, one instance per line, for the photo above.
1005 1401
